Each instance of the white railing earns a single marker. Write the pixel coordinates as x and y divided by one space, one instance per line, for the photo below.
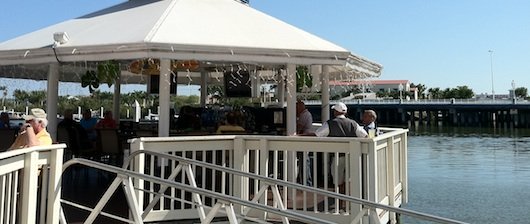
24 197
224 204
376 170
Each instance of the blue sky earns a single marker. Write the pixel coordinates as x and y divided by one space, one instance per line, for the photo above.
436 43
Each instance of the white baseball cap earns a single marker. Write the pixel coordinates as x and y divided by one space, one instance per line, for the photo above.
340 107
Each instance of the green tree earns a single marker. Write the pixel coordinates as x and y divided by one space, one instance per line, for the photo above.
21 96
460 92
37 98
435 93
185 101
303 78
521 92
421 89
464 92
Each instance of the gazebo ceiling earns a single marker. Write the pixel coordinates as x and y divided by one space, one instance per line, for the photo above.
217 33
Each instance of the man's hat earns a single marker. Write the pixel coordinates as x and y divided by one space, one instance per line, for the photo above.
340 107
35 113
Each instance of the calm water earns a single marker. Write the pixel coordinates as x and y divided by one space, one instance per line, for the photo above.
471 175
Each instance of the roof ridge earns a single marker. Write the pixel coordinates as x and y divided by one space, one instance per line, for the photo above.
160 21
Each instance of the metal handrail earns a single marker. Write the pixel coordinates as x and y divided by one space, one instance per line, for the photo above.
366 203
226 198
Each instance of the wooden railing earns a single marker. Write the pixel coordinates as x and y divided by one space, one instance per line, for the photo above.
24 197
375 170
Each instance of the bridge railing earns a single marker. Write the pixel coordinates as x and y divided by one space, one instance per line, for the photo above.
24 197
422 101
375 169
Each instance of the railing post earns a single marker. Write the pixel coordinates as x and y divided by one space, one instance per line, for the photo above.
371 174
356 181
29 188
54 186
240 163
138 166
390 177
264 168
404 168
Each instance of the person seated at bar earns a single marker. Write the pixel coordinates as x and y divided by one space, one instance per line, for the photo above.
77 136
89 124
33 132
4 121
188 120
107 122
230 125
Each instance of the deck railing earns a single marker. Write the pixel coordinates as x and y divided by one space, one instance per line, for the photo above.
24 197
375 170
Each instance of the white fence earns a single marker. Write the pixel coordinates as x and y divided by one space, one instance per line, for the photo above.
375 170
30 184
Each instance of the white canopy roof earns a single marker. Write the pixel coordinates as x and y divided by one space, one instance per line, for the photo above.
212 31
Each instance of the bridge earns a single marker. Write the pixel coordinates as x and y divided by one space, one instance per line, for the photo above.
447 112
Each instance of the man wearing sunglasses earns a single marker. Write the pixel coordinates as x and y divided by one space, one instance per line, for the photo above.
33 132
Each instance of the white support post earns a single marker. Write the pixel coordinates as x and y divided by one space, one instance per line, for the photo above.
164 100
52 99
316 72
325 94
291 124
291 99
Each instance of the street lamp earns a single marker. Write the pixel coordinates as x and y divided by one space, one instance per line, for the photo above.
491 69
400 87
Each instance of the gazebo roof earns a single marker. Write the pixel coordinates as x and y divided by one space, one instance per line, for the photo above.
212 31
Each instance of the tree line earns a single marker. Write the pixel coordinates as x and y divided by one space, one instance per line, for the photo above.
459 92
22 99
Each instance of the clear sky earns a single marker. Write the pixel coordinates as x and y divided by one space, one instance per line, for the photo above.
435 43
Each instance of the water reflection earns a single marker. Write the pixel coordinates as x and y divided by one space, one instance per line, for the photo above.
476 175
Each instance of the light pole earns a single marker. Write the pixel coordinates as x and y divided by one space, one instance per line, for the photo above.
491 69
400 88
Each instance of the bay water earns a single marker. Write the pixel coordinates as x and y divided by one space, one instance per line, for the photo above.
475 175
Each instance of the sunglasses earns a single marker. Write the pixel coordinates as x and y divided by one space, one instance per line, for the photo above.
30 121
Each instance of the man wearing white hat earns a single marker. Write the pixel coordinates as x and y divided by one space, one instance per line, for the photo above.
340 126
33 132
